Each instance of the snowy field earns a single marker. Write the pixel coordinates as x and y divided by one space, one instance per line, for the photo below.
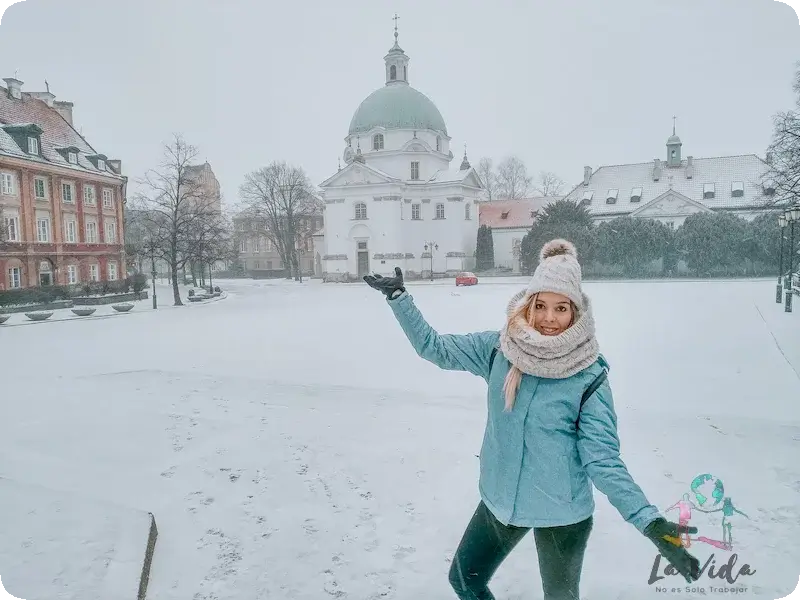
291 444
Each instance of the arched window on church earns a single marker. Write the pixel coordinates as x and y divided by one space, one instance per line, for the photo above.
405 73
361 211
393 72
377 141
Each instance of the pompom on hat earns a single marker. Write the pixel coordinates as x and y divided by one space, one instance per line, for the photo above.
558 272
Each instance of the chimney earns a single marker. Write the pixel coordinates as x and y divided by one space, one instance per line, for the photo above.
45 97
64 109
116 165
587 173
689 167
14 87
656 169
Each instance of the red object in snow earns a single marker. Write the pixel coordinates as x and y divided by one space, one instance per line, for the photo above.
466 278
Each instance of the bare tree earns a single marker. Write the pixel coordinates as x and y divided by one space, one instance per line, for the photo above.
488 177
549 184
210 241
783 154
513 181
282 198
174 203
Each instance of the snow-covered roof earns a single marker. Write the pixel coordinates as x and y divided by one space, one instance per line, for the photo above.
726 174
56 133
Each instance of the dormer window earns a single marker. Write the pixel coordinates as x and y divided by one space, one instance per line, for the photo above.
769 188
636 194
708 191
587 197
377 141
72 157
101 165
611 196
737 189
33 145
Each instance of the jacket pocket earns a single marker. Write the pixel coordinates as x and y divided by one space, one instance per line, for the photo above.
562 483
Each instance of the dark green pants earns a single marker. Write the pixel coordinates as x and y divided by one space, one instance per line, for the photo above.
487 542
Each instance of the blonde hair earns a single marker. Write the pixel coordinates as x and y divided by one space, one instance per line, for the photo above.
514 376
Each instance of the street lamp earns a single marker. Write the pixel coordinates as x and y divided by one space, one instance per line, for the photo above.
792 216
431 246
152 249
779 289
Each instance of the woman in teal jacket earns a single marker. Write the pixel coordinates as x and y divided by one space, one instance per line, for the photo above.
542 446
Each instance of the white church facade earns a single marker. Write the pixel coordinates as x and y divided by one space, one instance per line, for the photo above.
397 201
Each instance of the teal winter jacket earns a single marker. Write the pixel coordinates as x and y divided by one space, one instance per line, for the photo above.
536 468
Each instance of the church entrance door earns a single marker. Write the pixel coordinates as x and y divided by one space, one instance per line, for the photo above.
363 259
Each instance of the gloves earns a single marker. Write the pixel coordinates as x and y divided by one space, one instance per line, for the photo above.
390 286
666 537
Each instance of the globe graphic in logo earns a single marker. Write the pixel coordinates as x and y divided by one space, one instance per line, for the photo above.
708 491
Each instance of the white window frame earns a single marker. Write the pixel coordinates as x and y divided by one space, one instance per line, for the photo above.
72 158
7 184
360 211
89 195
110 232
256 245
709 188
33 145
40 221
242 245
378 141
72 274
112 272
68 185
14 278
440 210
108 198
43 182
416 208
91 239
737 186
101 164
70 239
414 170
94 273
8 222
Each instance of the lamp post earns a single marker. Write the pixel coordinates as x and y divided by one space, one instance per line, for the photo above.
152 250
779 289
429 247
792 216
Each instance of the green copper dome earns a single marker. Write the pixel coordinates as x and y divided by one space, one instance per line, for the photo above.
397 106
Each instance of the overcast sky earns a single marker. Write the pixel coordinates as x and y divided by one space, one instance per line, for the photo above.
560 84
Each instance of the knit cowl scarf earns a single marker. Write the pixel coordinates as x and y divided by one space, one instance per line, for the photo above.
552 357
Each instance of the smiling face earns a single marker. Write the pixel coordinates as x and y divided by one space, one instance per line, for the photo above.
550 313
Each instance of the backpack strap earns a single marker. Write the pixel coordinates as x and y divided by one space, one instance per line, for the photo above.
598 381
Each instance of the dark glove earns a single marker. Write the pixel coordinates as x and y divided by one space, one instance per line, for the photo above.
391 286
666 537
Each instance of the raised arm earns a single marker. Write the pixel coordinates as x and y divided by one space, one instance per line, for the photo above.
471 352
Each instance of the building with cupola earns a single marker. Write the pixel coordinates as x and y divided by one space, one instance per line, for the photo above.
672 188
398 198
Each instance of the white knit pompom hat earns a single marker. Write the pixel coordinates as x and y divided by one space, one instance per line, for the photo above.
558 272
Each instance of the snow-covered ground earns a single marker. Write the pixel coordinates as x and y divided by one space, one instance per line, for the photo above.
291 444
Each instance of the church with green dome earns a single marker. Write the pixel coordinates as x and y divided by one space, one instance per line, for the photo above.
397 199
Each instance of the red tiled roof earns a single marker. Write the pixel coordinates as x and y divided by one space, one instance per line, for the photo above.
512 214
